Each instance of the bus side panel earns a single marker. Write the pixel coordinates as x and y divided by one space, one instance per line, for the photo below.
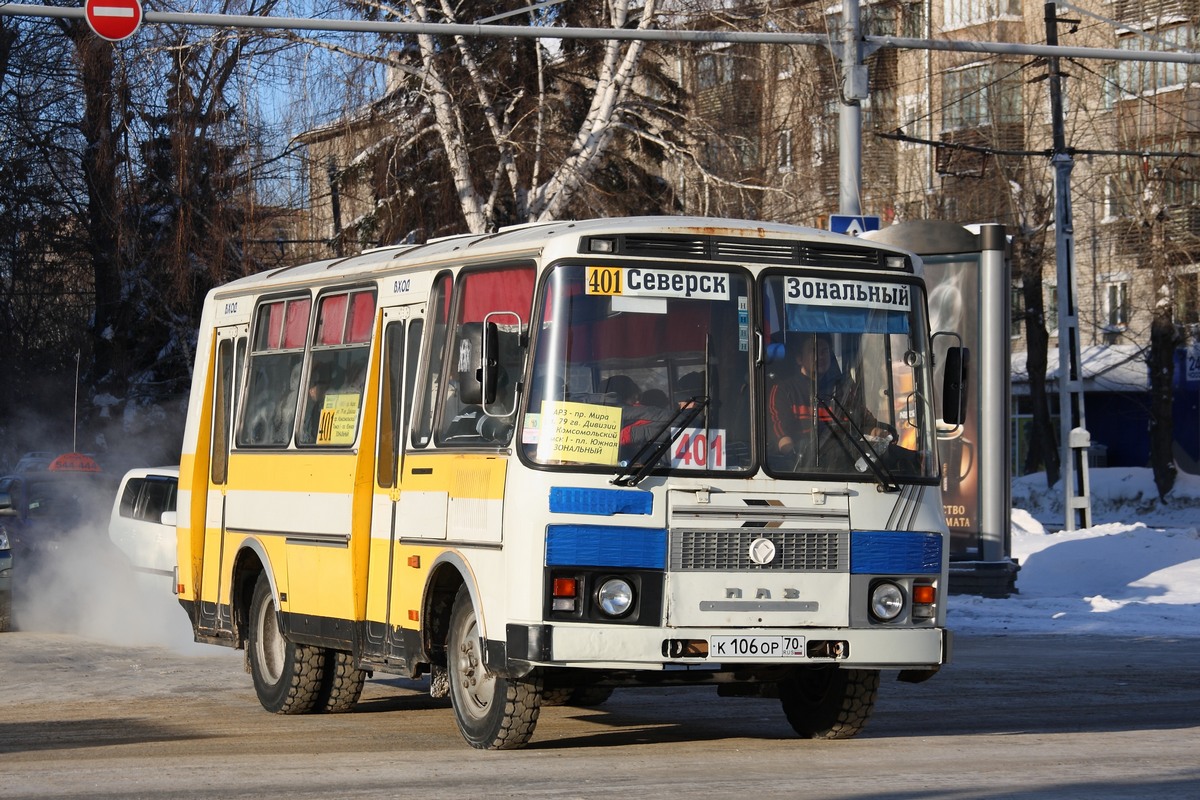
300 505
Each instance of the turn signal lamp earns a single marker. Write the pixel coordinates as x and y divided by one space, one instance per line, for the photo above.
563 594
924 596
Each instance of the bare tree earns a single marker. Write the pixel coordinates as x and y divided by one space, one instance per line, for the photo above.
480 132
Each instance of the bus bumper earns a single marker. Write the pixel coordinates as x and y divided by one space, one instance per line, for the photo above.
612 647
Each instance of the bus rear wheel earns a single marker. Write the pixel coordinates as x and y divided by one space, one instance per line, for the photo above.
342 684
828 703
287 676
493 712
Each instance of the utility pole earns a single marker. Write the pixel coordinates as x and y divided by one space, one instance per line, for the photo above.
1073 435
855 88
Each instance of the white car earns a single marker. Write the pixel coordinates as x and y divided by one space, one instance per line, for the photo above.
142 525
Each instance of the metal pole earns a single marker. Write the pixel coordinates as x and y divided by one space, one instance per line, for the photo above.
75 426
1073 435
855 89
995 375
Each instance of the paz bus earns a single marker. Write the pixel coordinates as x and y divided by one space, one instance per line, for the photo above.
538 464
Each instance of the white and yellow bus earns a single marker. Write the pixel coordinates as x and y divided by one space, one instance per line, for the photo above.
539 464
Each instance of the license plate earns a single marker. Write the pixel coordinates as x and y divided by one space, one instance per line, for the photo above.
756 647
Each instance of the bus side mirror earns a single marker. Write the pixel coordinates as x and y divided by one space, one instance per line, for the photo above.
6 505
477 350
954 385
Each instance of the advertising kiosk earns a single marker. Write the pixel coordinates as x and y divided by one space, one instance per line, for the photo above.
969 286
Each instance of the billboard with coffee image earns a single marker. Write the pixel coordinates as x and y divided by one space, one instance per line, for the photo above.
953 290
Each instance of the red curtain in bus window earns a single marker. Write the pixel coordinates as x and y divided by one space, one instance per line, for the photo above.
296 327
332 319
507 289
270 327
362 316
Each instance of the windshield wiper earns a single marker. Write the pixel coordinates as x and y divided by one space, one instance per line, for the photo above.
853 434
637 470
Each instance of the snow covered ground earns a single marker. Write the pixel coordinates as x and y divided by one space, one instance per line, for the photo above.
1135 572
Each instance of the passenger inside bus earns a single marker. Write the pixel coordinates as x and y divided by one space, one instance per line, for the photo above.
815 412
318 387
654 397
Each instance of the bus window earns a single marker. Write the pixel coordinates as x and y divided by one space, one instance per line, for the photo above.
338 368
439 316
280 333
846 374
494 301
221 404
620 350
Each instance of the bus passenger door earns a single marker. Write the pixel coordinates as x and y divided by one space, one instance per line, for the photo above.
215 614
386 591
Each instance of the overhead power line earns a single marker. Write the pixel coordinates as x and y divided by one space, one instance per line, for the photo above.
870 43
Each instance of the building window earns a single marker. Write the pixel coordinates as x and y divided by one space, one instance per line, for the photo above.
1017 302
1112 86
912 20
981 95
1139 77
960 13
1177 181
1112 199
706 71
1116 303
785 150
1050 307
714 69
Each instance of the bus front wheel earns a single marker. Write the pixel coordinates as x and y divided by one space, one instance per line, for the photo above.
287 676
492 712
828 703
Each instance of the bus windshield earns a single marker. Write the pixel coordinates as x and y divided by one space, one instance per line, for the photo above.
652 367
847 379
620 351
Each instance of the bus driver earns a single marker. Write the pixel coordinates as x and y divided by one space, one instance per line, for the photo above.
811 410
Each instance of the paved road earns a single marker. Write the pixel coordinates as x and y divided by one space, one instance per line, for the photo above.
1013 716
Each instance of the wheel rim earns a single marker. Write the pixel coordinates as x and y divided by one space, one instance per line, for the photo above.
269 647
474 685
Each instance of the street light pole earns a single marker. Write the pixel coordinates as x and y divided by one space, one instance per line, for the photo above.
1073 435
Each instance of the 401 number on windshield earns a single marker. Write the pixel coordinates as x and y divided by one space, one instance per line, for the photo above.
696 450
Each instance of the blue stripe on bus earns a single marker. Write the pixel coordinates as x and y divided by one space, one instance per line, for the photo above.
599 502
605 546
903 552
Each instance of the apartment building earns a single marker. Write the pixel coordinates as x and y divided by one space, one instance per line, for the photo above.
967 137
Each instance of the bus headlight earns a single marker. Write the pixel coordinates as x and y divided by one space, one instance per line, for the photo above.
887 601
615 597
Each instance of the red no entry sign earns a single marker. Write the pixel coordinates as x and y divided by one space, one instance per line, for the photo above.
113 19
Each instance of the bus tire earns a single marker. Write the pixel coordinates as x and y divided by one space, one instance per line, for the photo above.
287 676
493 712
342 684
828 703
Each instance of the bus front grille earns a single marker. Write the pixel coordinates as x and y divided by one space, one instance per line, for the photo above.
727 550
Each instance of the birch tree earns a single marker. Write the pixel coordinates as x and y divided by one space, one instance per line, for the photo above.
507 131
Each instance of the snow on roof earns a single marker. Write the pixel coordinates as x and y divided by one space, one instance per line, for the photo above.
1106 368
